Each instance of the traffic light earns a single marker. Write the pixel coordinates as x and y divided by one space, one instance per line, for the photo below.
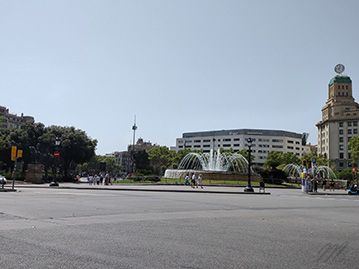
13 153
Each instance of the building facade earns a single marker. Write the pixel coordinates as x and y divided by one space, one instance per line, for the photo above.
12 120
125 158
141 145
340 117
263 142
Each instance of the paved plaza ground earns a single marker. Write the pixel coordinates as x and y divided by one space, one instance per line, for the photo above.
76 226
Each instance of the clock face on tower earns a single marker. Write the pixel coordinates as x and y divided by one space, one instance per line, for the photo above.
339 68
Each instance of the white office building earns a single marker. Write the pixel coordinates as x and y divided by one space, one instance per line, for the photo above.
264 141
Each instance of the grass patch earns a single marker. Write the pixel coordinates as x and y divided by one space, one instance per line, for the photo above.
205 182
209 182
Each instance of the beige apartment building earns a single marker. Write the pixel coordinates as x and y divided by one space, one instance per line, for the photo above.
12 120
340 117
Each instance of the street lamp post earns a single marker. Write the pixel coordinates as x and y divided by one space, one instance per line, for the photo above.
57 156
134 128
249 187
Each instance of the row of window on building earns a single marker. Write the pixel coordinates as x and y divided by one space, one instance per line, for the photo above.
349 123
237 145
346 87
238 139
349 131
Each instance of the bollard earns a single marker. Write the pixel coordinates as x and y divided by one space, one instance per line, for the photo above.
261 186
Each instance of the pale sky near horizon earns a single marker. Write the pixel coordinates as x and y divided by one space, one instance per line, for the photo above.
178 65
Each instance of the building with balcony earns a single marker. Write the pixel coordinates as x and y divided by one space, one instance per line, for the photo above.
9 120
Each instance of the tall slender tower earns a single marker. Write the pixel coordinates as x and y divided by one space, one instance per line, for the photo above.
339 123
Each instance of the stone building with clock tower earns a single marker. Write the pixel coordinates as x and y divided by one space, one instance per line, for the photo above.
340 117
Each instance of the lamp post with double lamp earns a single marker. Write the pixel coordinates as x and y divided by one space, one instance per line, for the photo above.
134 128
57 156
249 187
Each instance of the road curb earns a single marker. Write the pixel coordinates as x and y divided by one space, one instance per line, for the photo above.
145 189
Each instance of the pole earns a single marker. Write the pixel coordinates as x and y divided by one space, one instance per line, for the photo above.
13 177
249 186
134 128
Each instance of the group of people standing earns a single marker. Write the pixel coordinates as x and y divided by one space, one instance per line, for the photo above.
99 179
315 183
194 183
331 184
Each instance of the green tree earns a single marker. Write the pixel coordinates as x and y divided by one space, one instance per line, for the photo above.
308 158
142 160
93 165
273 160
345 174
245 154
4 150
75 148
288 158
38 145
274 163
178 157
27 139
161 158
354 150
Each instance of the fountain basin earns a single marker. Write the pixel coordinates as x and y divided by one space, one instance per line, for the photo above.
210 175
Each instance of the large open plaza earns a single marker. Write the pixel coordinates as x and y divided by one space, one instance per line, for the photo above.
69 227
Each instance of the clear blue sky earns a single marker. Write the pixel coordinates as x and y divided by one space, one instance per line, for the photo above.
178 65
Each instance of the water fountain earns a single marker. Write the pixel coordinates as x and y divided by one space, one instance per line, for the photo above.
212 165
324 172
293 170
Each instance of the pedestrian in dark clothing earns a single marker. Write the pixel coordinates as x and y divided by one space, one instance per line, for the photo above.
315 185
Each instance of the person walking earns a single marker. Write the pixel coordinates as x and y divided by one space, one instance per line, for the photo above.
199 181
187 180
331 184
324 184
348 184
90 179
315 185
193 181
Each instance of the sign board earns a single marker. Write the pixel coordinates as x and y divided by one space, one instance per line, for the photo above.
314 160
56 154
19 153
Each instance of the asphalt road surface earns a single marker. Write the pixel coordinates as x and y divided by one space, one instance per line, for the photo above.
81 228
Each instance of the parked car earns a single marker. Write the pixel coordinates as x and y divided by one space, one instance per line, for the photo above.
2 180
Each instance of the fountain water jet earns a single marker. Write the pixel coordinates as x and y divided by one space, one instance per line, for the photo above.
293 170
324 172
214 161
213 165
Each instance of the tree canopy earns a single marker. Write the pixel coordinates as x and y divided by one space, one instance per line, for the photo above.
93 165
38 145
321 160
161 158
354 150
